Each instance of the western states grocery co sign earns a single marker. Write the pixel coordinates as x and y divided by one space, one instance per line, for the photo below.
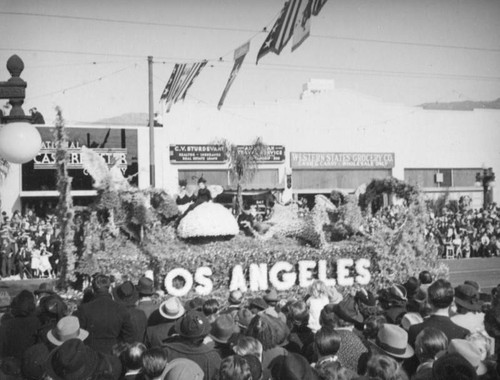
317 160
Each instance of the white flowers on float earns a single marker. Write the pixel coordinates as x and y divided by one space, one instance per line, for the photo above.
282 276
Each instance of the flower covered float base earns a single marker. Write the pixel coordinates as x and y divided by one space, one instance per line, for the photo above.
208 220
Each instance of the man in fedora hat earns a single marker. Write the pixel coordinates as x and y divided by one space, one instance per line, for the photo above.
221 332
168 313
469 306
107 321
145 288
193 328
440 298
76 361
127 295
392 340
67 328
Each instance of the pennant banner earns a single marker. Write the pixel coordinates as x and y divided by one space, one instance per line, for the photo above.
282 30
239 57
317 5
180 81
302 27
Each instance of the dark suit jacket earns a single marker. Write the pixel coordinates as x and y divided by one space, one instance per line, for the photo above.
155 335
139 321
107 322
451 330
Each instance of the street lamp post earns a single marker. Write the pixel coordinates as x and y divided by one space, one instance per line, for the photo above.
20 141
486 179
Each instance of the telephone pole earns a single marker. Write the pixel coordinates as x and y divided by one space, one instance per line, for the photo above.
151 124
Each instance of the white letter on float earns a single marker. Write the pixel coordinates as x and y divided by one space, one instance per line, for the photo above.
288 278
305 272
258 277
169 278
362 269
238 279
343 272
201 277
322 275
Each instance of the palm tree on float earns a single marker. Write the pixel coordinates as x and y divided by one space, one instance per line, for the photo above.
243 163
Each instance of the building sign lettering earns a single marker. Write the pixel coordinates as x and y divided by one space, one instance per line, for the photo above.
215 153
46 159
272 153
305 160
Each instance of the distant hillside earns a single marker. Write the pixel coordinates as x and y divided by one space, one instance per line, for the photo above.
138 118
467 105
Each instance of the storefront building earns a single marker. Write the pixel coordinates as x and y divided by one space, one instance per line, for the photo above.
328 139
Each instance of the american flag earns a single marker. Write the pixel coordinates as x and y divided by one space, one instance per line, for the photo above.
302 27
282 30
180 81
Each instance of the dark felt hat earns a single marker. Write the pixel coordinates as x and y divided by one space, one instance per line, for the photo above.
467 297
348 310
259 303
411 286
292 367
72 360
255 366
126 293
223 327
193 325
244 317
34 360
195 304
201 179
452 367
45 288
145 286
23 304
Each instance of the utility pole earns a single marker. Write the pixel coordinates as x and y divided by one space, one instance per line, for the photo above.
151 124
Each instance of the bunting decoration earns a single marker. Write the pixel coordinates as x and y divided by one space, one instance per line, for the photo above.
239 57
302 28
282 30
180 81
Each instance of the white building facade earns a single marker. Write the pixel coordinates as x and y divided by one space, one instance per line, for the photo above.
328 139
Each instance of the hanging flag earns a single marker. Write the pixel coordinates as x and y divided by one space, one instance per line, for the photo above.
317 5
282 30
180 80
239 57
302 27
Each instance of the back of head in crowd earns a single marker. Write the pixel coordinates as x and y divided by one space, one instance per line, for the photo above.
246 345
429 343
270 331
210 307
327 341
425 277
298 314
235 368
131 357
441 294
154 362
383 367
101 283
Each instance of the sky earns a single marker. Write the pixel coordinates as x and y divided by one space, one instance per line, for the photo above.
90 57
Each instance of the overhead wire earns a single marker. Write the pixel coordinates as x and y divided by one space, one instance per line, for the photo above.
85 83
248 30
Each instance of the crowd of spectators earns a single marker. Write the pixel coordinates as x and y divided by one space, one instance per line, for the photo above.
422 329
29 245
459 233
468 233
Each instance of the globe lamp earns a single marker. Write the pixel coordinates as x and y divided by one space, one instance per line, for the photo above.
20 142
